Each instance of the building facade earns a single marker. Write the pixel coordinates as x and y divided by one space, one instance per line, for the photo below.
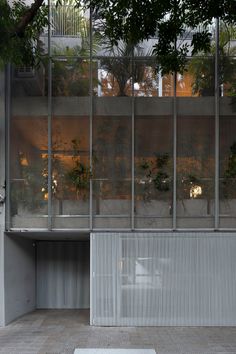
120 182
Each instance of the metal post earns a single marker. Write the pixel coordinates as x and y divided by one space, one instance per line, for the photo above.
174 137
91 119
217 137
132 142
49 122
4 169
7 145
174 152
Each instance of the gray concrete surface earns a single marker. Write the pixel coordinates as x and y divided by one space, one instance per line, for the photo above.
19 269
61 331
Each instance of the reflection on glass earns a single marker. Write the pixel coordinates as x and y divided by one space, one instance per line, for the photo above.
153 172
227 62
70 168
114 76
71 77
145 78
200 77
112 165
228 79
195 171
227 166
28 171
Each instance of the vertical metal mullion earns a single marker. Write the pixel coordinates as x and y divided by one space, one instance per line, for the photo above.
92 279
174 137
174 152
49 121
116 274
132 142
91 119
217 137
7 145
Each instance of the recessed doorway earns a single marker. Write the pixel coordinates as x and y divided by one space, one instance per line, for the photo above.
63 275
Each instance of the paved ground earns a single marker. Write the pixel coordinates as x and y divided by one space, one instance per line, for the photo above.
61 331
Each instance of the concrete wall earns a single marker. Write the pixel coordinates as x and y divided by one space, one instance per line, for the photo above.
2 312
121 106
19 263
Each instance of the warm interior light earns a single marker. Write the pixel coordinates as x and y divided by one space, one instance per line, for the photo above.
45 197
195 191
24 161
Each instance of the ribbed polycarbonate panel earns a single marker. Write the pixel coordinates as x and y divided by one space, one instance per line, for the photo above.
163 279
62 274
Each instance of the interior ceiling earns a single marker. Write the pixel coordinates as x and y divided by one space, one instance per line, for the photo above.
34 131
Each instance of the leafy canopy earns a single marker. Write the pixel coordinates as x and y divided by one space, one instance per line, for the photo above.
20 28
130 21
134 21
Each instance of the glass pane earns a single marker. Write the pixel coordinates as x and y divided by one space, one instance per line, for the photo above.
28 141
199 80
112 166
147 81
153 169
70 171
186 82
70 77
227 60
114 76
227 165
70 143
195 171
28 172
227 64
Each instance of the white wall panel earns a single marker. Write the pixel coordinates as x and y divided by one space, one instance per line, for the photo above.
163 279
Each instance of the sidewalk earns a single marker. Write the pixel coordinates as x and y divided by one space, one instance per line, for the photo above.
61 331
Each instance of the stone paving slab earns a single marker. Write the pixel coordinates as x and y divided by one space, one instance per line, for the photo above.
62 331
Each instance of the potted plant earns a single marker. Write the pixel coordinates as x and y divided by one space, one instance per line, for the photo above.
79 175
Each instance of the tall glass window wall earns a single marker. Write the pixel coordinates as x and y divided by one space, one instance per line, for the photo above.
100 140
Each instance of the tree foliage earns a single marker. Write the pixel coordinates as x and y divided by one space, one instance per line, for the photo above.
134 21
202 67
130 21
20 28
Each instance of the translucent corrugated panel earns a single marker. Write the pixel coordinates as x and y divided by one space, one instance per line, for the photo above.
63 274
163 279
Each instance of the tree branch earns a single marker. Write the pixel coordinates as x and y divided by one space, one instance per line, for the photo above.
27 18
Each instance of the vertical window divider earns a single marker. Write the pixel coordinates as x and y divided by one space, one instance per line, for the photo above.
7 145
132 139
91 119
49 121
174 151
217 137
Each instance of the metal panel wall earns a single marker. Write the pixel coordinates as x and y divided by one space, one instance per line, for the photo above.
63 275
165 279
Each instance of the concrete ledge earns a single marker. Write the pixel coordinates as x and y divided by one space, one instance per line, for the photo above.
114 351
